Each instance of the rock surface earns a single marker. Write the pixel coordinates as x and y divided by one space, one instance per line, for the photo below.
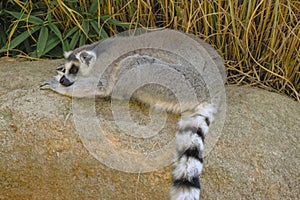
42 156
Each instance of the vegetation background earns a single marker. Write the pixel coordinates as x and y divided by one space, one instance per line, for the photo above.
259 39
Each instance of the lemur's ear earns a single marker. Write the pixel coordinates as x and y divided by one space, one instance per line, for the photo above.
87 57
67 54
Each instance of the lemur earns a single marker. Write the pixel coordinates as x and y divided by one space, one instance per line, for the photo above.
93 70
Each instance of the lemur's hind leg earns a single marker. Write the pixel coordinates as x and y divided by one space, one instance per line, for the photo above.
188 156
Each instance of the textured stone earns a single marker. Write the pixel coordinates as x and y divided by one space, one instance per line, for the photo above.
42 156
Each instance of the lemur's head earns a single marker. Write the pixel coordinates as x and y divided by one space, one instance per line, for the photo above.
78 65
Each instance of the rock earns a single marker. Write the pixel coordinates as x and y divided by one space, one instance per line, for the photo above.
257 156
43 157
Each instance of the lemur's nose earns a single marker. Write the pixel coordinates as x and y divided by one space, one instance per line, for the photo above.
65 82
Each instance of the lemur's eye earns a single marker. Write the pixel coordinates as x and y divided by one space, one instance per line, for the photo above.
74 69
61 69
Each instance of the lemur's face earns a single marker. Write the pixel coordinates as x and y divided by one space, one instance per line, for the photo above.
78 65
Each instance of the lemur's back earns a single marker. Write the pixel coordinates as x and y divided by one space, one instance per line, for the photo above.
153 58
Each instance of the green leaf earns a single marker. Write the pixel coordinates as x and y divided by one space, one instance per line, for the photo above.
71 31
49 16
33 54
25 17
74 40
103 33
55 30
20 38
51 43
95 26
28 46
86 27
53 3
2 37
42 41
82 40
100 31
35 20
119 23
94 7
66 46
15 14
105 17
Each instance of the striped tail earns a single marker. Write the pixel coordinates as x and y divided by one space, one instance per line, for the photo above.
188 157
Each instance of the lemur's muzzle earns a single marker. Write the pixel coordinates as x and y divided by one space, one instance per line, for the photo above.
65 82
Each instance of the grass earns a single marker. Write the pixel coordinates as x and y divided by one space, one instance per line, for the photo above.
259 39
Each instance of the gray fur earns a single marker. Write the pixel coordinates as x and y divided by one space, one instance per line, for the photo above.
116 56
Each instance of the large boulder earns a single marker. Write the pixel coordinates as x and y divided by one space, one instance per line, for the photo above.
43 157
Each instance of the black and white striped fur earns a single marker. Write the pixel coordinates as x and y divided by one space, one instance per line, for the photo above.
188 156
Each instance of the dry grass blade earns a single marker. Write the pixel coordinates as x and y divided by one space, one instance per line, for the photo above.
260 39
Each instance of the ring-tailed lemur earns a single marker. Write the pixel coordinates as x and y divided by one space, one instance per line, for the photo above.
95 69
